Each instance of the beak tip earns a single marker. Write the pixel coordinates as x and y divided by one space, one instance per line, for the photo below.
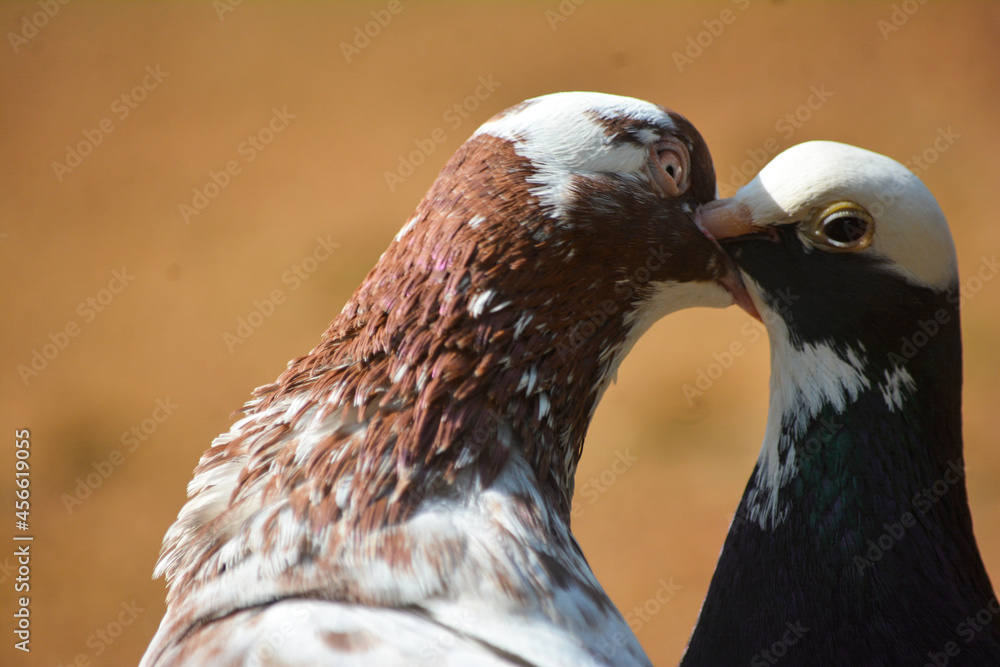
733 283
725 218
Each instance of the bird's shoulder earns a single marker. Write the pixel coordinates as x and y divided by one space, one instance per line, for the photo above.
275 512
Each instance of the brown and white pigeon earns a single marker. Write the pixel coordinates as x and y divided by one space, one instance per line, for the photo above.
401 495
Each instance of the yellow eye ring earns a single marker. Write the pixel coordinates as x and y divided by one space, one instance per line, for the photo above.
842 227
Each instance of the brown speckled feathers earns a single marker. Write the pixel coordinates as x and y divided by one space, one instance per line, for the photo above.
422 455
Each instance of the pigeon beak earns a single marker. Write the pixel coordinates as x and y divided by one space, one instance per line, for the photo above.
732 283
724 219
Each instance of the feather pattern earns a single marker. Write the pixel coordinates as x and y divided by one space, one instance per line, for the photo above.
402 493
853 543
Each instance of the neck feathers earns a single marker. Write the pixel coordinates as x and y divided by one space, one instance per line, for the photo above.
445 371
855 524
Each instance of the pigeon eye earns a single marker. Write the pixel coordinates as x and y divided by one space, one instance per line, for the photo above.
669 164
843 227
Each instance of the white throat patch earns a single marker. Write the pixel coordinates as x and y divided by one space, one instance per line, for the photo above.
804 380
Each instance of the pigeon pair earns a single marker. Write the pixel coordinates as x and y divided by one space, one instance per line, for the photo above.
401 495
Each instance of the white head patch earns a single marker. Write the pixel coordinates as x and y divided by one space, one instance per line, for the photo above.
910 228
561 135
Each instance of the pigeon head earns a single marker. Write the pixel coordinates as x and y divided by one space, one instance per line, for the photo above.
850 263
609 182
579 142
559 232
858 207
849 260
571 194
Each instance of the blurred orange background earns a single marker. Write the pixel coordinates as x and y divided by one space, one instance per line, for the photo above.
200 79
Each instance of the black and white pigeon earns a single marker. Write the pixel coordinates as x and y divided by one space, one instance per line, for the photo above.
853 543
401 495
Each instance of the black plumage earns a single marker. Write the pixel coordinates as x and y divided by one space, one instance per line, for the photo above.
863 553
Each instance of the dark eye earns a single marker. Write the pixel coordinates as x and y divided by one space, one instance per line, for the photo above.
844 226
671 163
